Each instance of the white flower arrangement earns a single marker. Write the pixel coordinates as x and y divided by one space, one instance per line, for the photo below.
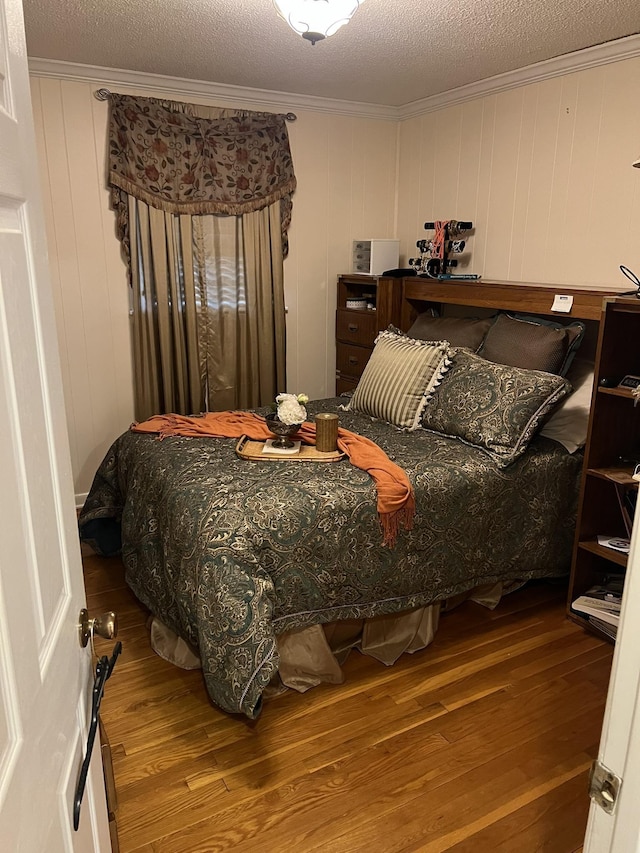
290 408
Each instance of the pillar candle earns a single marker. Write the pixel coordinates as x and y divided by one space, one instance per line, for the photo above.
326 432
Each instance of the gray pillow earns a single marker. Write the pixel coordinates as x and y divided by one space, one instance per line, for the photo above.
532 342
459 331
494 407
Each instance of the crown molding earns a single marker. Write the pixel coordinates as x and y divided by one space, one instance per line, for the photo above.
132 81
180 88
568 63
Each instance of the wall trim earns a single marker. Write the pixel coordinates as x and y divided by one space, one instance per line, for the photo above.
569 63
181 88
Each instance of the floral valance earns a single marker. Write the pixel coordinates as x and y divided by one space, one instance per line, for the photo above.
188 159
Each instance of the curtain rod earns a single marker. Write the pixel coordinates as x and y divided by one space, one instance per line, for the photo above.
105 94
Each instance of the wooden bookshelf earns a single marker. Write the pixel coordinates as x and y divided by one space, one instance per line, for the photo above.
611 453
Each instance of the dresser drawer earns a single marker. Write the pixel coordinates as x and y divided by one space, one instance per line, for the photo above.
351 360
356 327
344 383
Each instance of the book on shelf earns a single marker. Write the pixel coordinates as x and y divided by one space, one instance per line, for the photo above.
599 603
587 611
605 627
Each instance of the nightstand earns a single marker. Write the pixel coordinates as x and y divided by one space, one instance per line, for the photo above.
358 325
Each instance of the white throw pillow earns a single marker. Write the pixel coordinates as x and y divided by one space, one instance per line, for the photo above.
569 422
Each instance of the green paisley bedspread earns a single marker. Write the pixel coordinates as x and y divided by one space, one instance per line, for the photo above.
229 553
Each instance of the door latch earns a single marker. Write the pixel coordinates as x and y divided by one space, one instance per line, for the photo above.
604 787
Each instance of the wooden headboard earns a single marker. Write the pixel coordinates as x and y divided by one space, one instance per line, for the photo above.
500 296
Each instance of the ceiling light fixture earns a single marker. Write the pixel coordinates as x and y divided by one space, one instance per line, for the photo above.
636 163
315 20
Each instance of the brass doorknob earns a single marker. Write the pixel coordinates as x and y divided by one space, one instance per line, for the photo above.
105 626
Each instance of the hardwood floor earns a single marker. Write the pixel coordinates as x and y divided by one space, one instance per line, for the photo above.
481 742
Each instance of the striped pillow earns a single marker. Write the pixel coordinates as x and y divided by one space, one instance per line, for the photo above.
399 378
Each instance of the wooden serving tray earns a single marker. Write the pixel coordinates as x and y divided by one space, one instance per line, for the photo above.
247 448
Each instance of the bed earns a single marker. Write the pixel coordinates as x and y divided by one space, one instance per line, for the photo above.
237 557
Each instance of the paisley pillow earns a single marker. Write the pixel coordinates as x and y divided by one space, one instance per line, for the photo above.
494 407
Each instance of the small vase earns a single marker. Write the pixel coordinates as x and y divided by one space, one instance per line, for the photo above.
281 431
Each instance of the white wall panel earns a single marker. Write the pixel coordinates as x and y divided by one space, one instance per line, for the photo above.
410 221
518 236
342 139
375 145
446 171
541 186
466 204
425 177
505 150
543 170
346 171
614 224
309 278
557 263
584 166
475 260
88 276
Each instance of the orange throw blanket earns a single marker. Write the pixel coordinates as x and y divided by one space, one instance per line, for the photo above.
396 501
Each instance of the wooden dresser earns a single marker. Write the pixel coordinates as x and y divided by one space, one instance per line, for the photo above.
357 327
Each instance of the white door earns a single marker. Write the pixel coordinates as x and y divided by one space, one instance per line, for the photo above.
620 744
45 675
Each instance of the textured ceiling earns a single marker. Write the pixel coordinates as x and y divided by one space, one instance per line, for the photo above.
392 53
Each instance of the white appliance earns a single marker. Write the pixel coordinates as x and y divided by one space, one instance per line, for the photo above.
373 257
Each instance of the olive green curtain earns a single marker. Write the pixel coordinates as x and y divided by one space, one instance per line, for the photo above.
166 359
239 278
203 203
208 310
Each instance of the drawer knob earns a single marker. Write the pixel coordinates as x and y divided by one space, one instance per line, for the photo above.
353 327
353 359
